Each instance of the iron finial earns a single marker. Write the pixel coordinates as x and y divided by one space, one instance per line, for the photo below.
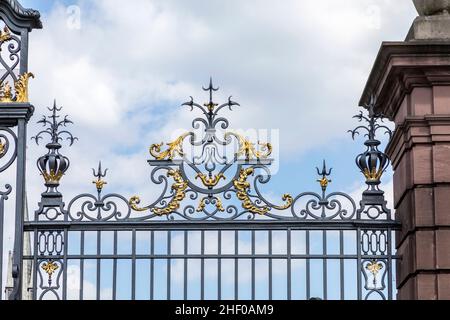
325 173
99 183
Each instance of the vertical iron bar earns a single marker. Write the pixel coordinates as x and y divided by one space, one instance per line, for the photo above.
308 268
236 264
219 269
82 265
133 265
152 265
169 262
66 266
24 51
270 266
115 267
253 265
358 263
389 248
341 263
2 202
35 264
99 240
17 264
289 265
185 279
202 267
325 265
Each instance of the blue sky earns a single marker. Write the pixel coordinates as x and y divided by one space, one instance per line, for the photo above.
122 69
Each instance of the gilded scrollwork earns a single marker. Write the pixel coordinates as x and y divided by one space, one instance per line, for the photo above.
242 187
179 187
210 181
174 149
214 200
248 148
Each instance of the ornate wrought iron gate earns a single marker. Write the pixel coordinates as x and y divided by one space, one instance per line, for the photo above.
211 234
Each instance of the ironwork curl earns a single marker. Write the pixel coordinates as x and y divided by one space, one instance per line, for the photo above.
7 136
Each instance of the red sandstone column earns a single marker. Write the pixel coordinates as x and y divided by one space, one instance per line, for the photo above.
411 81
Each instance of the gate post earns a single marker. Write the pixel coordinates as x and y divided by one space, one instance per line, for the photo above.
15 111
411 81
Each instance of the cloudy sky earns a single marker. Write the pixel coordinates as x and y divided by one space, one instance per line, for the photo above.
121 70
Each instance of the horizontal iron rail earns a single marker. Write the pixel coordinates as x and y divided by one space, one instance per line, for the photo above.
211 257
213 225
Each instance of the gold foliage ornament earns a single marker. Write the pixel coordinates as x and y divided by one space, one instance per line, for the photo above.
2 149
210 182
52 177
217 201
242 187
374 267
374 175
174 148
50 267
20 87
179 187
248 149
5 36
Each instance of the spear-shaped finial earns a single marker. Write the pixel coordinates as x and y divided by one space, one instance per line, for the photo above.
325 173
211 105
99 183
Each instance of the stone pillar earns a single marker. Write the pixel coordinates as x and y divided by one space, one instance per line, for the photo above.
411 81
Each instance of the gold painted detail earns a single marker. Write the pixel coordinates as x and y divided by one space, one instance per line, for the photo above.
242 186
374 175
374 267
248 149
134 204
289 201
52 177
179 187
20 87
99 184
5 36
218 203
210 181
324 182
5 93
50 267
2 149
211 106
174 148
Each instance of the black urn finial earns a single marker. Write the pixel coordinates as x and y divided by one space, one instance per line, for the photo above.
53 165
373 162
